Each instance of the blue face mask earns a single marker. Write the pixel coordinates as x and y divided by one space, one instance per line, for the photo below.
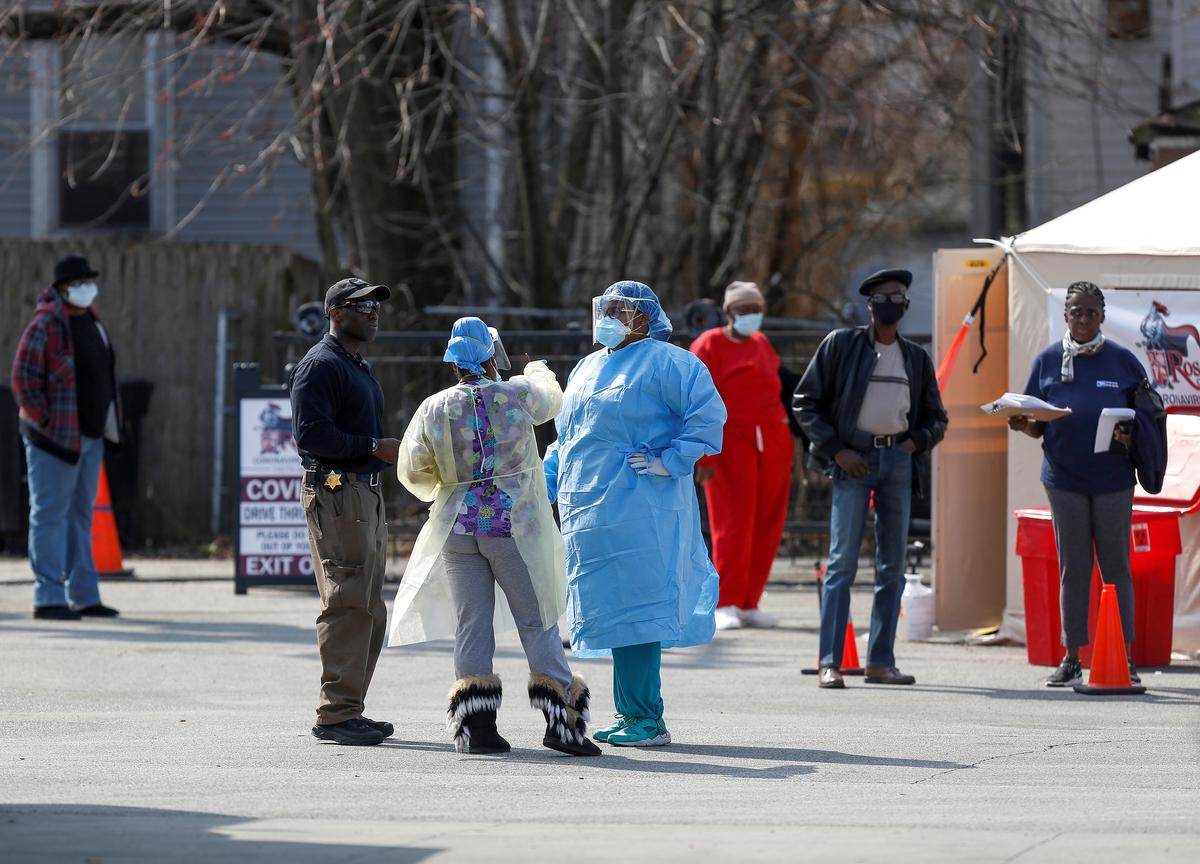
610 333
747 325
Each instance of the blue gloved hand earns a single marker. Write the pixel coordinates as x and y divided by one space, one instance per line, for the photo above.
643 464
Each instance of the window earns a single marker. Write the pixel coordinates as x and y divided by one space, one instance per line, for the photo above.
1128 19
103 179
103 165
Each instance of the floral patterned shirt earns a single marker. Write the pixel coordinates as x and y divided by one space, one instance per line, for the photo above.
486 510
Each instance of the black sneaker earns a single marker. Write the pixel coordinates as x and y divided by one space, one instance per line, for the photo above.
386 729
353 733
1068 674
98 610
1134 678
56 613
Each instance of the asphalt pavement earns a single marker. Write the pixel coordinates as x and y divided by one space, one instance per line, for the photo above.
180 732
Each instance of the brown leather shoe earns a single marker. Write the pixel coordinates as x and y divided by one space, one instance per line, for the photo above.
887 675
830 678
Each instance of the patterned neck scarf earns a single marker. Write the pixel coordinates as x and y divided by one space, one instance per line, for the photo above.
1073 349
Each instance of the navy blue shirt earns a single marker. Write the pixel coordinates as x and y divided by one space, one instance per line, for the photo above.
337 408
1104 380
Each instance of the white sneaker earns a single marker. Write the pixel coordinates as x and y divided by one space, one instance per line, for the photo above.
728 618
757 618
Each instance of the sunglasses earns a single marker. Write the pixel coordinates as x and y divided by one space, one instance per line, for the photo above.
888 298
363 307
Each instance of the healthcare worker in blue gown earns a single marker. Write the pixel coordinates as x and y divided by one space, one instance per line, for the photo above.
637 415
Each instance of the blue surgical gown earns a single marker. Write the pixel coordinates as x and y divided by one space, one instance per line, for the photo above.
637 567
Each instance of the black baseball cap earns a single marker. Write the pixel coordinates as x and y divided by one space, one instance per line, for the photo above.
351 289
901 276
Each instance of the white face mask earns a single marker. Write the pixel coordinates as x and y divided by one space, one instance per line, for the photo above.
748 324
83 295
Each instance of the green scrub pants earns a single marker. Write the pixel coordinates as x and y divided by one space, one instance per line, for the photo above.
637 682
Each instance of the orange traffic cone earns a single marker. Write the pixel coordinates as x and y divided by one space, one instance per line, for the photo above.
851 665
1110 667
850 662
106 548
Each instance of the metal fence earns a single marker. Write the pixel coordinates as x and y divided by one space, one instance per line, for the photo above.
409 367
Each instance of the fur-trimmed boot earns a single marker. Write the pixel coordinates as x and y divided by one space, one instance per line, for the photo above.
471 717
566 714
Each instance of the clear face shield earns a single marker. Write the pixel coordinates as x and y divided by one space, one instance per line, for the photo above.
501 356
614 313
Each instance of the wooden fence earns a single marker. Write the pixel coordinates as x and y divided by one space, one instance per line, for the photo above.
161 301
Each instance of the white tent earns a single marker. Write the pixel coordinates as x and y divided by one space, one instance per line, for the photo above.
1141 245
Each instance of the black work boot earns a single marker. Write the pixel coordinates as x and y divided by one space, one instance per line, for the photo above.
471 717
353 733
386 729
566 714
56 613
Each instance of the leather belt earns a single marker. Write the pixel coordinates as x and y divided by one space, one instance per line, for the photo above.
315 476
867 441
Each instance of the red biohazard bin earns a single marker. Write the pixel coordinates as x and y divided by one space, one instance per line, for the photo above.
1154 545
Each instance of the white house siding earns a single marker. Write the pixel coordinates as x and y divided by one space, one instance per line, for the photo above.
14 140
230 123
1085 92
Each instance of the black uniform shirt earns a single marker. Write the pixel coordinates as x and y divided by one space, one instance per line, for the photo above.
93 374
337 408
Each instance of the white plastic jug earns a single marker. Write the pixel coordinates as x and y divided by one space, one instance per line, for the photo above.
917 605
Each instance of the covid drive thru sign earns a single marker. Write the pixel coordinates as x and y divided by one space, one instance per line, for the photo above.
272 536
1159 327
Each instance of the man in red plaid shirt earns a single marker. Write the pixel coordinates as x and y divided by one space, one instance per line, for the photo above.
64 381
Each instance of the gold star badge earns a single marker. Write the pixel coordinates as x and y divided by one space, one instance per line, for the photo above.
333 480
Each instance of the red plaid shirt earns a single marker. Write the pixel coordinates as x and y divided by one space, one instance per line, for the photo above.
43 374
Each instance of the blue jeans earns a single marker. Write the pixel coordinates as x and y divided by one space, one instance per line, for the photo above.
891 481
61 497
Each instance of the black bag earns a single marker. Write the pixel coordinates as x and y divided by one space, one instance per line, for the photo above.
1149 450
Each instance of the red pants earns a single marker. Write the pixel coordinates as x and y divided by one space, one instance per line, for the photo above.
747 507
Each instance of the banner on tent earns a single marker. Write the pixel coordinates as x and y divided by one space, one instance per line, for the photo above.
1162 328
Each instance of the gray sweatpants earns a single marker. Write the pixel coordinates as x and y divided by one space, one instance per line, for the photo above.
474 566
1082 522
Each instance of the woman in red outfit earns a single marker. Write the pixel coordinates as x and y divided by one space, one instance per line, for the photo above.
747 483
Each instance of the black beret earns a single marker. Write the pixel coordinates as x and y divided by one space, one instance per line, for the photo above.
901 276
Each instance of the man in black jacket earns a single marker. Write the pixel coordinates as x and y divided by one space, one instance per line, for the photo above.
870 407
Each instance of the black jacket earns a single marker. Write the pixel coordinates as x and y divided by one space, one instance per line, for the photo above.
337 408
830 394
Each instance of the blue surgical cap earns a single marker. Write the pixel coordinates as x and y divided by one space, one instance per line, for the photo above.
470 345
660 324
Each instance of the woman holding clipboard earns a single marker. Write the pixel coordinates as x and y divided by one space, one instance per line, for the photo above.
1091 493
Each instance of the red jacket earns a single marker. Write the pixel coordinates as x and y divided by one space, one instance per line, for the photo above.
43 379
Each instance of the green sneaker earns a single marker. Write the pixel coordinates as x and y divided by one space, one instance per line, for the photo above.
641 732
604 734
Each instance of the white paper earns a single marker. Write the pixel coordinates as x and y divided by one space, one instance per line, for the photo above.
1109 418
1020 405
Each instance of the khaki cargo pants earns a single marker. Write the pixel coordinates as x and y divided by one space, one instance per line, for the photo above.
348 536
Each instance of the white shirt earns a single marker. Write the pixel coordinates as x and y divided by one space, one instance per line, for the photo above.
887 401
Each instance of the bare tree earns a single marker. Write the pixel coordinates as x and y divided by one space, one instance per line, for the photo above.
683 142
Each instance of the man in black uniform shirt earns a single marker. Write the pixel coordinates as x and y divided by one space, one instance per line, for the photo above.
337 415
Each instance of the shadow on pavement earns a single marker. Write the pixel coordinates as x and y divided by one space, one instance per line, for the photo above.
830 757
1033 694
125 629
797 761
68 832
615 760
